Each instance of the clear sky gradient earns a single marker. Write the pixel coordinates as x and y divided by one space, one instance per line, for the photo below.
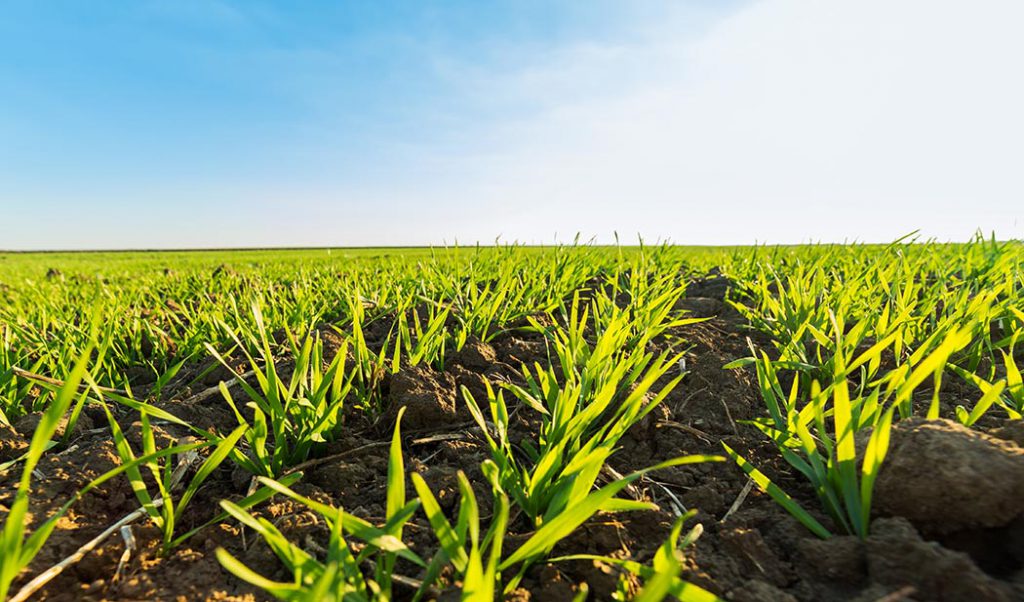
206 123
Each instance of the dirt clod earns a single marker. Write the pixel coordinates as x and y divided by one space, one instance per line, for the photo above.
26 425
714 286
429 397
944 477
758 558
1013 430
756 590
12 443
897 556
700 307
839 558
475 355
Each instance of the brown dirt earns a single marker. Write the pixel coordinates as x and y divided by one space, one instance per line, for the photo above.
12 443
898 557
944 477
755 553
427 395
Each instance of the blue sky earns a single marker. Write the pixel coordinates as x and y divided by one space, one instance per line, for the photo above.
208 124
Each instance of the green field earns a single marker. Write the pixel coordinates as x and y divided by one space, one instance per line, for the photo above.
527 423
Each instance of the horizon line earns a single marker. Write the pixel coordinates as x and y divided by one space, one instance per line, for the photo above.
477 245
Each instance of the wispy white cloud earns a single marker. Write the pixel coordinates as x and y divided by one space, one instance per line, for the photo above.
788 121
